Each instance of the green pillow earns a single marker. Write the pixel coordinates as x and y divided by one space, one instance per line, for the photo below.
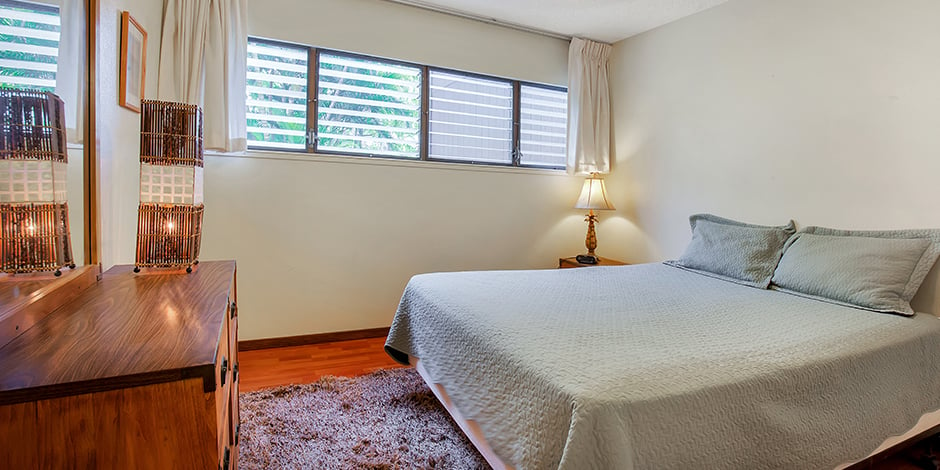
734 251
873 270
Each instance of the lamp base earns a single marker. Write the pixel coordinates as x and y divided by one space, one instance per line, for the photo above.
35 237
590 241
31 276
587 259
168 236
144 270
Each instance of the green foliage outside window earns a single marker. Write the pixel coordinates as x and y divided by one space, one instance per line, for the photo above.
368 107
277 96
28 62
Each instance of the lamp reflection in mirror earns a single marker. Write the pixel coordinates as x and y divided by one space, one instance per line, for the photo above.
169 219
593 197
34 215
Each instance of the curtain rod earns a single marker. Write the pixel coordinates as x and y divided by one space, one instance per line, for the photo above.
482 19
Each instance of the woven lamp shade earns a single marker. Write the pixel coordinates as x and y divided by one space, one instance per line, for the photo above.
34 221
169 219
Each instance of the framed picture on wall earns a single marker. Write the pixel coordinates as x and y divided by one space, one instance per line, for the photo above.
133 62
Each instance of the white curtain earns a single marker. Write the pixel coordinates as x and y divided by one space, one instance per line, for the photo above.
226 62
588 107
70 67
182 51
206 42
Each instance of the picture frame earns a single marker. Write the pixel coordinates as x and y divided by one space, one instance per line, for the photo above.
133 62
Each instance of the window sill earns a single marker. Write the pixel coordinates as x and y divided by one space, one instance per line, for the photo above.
358 160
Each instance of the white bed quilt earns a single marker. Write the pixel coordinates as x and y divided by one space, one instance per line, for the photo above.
653 367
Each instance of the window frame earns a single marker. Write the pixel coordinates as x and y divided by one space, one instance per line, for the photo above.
313 83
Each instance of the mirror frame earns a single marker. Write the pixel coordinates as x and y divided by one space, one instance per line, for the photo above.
90 152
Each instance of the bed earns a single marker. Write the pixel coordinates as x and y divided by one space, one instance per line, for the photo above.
652 366
760 347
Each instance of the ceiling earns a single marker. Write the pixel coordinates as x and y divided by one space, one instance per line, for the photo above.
601 20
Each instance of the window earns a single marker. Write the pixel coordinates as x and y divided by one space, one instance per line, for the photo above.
375 107
29 45
368 107
277 96
471 118
543 126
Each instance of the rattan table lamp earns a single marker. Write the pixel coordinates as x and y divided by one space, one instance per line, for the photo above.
34 213
593 196
169 219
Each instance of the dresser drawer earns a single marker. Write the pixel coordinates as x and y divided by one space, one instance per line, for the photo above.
226 452
226 392
233 405
223 375
234 422
177 410
232 316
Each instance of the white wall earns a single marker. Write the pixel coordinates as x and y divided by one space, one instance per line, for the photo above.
826 112
395 31
119 128
324 245
314 256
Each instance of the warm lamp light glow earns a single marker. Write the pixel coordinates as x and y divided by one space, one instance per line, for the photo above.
169 225
593 196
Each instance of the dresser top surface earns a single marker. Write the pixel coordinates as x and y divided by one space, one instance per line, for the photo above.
127 329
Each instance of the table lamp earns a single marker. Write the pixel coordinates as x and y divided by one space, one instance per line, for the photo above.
169 218
34 213
593 196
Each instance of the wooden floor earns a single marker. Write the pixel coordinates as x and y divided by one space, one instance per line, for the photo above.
304 364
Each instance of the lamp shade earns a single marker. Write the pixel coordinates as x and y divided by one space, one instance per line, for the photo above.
169 218
594 195
34 226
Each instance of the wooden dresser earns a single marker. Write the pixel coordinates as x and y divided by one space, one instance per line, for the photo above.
138 371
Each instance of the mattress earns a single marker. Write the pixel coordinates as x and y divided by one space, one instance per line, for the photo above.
650 366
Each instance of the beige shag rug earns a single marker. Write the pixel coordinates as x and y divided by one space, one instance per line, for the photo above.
386 420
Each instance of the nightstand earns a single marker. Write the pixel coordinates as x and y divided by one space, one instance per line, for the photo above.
573 263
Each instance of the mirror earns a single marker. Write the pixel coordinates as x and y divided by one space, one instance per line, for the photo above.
44 48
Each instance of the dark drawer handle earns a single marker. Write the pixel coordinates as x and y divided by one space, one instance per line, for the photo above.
226 457
224 370
235 373
234 310
238 429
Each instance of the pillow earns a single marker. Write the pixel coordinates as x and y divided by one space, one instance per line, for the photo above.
734 251
873 270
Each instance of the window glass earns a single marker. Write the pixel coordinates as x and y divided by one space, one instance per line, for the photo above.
470 118
543 121
368 106
29 45
277 96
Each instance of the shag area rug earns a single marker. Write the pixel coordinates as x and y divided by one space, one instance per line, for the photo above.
389 419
